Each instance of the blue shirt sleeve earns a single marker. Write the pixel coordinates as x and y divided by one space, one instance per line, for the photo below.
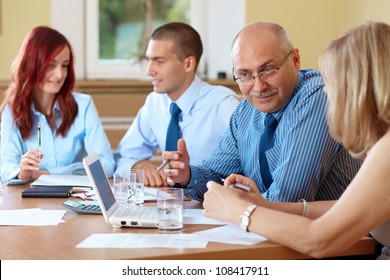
11 147
224 161
138 143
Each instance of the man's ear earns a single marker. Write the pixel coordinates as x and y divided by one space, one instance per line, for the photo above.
189 63
296 59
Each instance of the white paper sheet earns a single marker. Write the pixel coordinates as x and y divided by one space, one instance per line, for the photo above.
195 216
230 234
62 180
31 217
150 194
129 240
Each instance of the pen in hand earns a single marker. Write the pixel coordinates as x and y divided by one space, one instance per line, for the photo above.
239 186
39 139
163 164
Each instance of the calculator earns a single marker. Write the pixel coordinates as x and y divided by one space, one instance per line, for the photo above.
83 207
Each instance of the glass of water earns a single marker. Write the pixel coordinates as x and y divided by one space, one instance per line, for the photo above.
136 186
120 188
170 209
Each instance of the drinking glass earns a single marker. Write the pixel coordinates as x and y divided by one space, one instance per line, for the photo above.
136 186
170 209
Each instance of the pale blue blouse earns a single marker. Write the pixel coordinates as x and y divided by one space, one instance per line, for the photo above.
62 155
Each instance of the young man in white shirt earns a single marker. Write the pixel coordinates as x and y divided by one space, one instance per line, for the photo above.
174 52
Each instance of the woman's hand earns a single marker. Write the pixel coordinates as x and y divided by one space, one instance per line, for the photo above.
253 196
224 203
227 203
29 164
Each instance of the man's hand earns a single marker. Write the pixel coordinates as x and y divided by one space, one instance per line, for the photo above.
152 178
178 170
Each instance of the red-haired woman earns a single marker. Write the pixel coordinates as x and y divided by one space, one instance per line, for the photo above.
45 127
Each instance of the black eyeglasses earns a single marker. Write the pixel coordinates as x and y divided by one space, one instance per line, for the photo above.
268 72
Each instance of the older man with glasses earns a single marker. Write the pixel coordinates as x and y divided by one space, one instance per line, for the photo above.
278 134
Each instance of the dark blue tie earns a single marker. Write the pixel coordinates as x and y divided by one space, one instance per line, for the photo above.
266 143
173 132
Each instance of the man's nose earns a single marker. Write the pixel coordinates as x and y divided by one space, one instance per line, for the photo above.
259 84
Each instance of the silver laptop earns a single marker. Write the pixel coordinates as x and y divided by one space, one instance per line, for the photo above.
115 213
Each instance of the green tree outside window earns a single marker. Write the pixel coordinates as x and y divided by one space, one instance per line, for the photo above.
125 25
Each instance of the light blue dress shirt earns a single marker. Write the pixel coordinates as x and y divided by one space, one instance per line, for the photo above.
62 155
206 110
305 161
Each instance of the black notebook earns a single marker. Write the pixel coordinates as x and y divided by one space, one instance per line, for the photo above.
63 191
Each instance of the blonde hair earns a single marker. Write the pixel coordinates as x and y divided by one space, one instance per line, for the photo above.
356 70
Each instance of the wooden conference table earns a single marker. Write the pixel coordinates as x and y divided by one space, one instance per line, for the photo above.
59 242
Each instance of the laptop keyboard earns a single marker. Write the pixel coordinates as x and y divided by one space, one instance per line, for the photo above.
139 212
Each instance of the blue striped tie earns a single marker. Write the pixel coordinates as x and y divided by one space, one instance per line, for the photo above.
266 143
173 132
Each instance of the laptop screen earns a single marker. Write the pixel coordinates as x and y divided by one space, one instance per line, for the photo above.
102 184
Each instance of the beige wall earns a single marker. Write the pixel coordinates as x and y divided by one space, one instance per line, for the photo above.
17 18
310 23
313 23
364 10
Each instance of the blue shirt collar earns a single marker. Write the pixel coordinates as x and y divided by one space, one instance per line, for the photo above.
56 110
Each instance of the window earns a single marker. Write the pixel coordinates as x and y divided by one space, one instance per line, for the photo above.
217 21
123 31
125 25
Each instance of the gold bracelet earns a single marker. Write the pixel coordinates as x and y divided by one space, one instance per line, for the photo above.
304 206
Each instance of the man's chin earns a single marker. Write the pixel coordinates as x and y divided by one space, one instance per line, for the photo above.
160 89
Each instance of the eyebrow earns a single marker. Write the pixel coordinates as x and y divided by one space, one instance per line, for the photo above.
156 57
262 66
57 61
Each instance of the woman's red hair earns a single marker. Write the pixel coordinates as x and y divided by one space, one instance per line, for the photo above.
38 50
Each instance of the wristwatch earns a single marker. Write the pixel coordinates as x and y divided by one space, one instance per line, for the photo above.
245 219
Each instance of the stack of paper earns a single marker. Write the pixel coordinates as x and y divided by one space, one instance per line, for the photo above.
31 217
